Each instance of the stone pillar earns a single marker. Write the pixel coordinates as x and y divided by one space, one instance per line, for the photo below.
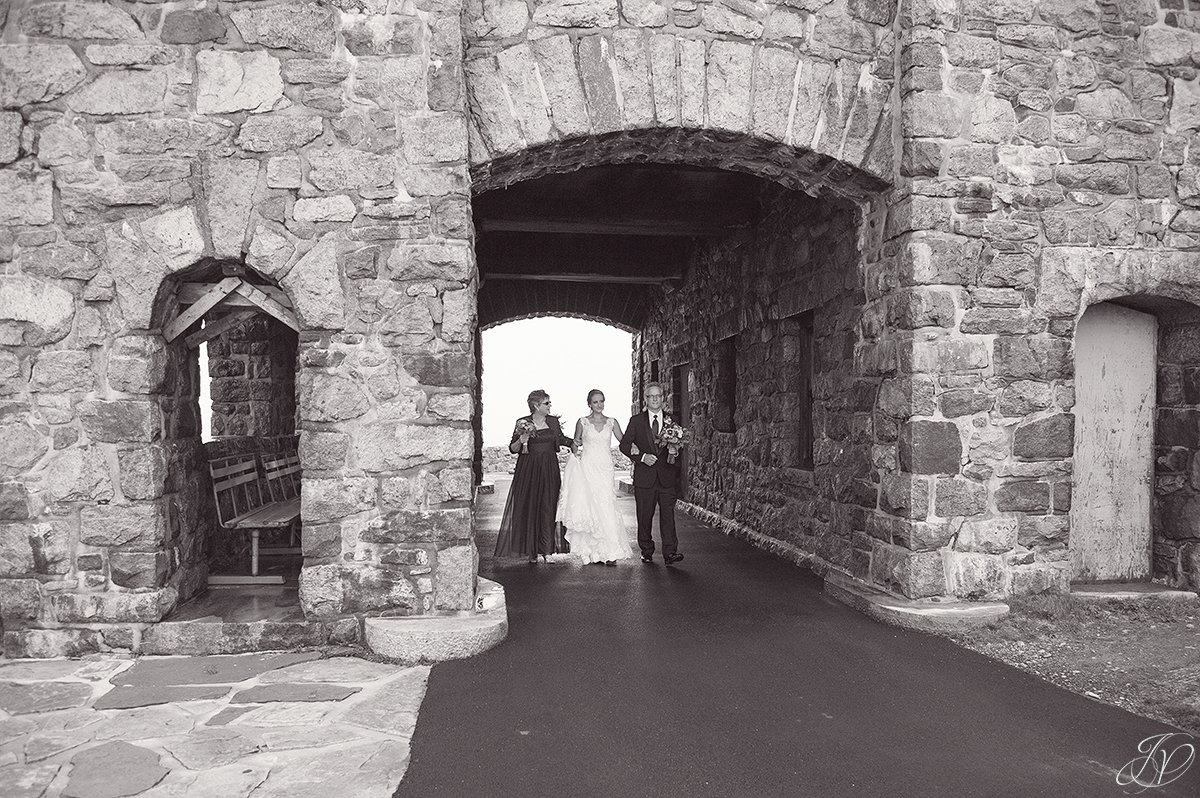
387 368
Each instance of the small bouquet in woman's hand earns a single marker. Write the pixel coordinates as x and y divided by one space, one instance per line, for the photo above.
525 427
673 437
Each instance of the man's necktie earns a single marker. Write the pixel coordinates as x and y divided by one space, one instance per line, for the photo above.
654 427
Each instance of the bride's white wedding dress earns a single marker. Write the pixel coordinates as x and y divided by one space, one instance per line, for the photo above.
587 506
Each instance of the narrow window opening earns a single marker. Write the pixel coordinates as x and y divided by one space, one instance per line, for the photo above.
725 401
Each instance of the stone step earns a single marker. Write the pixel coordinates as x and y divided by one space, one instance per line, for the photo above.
436 639
924 615
1130 591
204 636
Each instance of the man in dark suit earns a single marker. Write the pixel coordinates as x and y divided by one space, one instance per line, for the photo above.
655 481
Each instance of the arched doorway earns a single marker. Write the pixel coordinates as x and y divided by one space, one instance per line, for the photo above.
1135 512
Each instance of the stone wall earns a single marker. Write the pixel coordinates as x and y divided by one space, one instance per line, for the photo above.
1177 450
806 255
323 145
253 380
1046 164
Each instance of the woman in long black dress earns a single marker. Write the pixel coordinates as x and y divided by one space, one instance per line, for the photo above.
527 528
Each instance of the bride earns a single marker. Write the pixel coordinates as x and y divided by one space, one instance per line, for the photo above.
587 506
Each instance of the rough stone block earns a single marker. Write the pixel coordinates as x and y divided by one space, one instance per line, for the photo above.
1038 578
50 643
401 446
192 27
321 591
965 402
20 598
323 451
63 370
1178 515
304 27
959 497
80 474
370 589
1045 439
975 576
333 499
273 132
127 92
904 495
454 578
930 447
229 81
324 209
1037 358
20 447
121 420
37 73
350 170
1023 497
14 503
136 527
10 136
573 14
145 607
597 70
26 196
560 79
915 574
920 535
926 114
138 569
409 526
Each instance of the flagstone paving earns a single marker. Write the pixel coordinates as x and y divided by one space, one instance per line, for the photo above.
230 726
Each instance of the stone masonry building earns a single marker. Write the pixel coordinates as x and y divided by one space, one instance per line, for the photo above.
932 313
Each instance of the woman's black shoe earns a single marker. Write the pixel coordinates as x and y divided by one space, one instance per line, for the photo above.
611 563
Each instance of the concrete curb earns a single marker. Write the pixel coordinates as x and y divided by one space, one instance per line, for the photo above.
921 615
412 640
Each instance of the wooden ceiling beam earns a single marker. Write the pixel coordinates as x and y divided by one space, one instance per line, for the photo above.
190 292
212 295
593 225
576 277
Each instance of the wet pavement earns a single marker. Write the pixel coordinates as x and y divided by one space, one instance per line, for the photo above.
734 675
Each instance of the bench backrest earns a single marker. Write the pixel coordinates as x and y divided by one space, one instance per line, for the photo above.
235 485
282 472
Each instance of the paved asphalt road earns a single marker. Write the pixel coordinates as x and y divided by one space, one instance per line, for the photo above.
734 675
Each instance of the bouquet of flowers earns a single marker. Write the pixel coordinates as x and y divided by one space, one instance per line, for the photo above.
526 427
673 437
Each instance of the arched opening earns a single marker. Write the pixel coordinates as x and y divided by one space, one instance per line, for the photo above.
566 357
237 493
750 303
1135 510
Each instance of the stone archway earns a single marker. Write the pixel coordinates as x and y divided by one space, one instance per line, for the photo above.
734 299
736 78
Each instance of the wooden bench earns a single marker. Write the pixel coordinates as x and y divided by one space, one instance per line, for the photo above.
254 497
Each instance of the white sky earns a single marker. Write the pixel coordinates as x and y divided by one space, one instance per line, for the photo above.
564 357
